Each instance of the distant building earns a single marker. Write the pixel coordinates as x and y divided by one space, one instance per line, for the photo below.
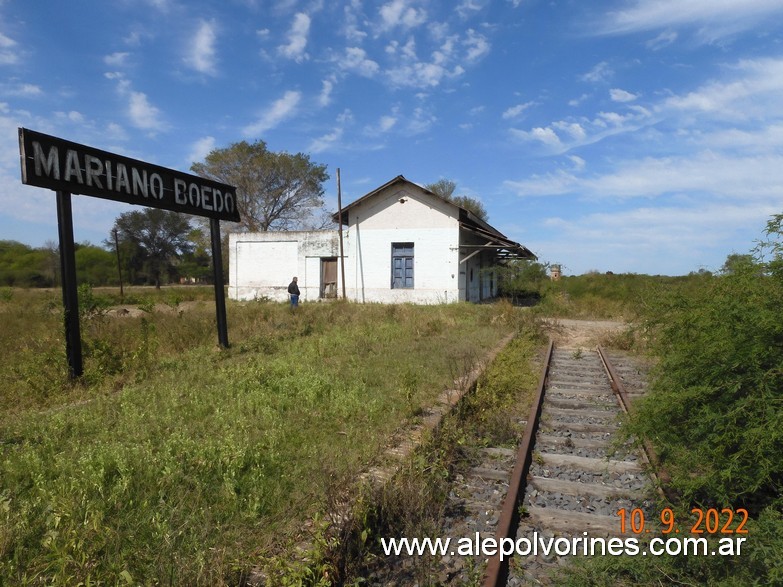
554 273
402 243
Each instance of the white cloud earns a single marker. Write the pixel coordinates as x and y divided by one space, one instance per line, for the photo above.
21 90
331 139
7 54
351 22
201 51
420 122
753 179
327 86
325 142
399 13
665 39
356 60
118 59
297 38
715 18
468 8
72 116
386 123
667 239
280 110
579 100
753 91
551 184
618 95
601 72
200 149
477 46
547 136
515 111
574 129
143 115
579 163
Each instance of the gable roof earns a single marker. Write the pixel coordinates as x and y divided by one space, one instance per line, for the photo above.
506 248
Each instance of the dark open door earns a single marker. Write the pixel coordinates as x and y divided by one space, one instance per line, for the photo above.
329 277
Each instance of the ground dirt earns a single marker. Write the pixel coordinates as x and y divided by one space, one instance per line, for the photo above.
569 333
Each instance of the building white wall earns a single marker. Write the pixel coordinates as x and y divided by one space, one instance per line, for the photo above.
262 264
427 222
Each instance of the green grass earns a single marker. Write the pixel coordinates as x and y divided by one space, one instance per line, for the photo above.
174 462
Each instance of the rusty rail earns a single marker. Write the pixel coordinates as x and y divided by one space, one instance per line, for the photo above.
658 473
496 573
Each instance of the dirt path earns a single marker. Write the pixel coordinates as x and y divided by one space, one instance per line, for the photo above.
582 333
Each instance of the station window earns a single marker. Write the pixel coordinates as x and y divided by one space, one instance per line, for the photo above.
402 265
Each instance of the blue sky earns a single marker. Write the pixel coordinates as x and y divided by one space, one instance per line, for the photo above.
625 135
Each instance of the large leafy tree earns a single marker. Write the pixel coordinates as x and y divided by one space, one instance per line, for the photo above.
445 189
154 241
275 191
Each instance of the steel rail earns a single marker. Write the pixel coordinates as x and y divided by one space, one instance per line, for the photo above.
658 473
496 573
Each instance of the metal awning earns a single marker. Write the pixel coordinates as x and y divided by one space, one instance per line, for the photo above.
505 249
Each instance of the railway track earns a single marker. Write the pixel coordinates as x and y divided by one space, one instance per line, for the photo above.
571 474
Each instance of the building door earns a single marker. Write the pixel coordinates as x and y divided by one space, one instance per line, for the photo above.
328 277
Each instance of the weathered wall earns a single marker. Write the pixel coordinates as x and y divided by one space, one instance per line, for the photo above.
261 264
427 222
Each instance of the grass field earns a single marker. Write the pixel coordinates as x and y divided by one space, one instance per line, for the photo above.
174 462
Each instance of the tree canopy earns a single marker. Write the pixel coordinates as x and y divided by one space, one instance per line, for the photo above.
275 191
153 241
445 188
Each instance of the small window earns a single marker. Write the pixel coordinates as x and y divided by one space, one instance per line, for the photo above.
402 265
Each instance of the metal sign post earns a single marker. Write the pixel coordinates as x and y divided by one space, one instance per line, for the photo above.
70 168
73 338
220 292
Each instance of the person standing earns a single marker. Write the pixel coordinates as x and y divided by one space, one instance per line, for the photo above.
293 293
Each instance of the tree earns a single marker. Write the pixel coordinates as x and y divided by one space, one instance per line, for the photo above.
153 240
274 190
445 189
736 262
95 265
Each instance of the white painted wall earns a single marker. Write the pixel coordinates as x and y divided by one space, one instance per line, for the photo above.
262 264
427 222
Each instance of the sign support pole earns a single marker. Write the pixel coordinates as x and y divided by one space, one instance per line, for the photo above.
220 293
73 339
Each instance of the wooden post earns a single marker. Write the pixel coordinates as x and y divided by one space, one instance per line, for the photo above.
73 338
220 294
340 225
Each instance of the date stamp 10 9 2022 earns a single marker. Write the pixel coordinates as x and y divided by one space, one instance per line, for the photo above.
709 521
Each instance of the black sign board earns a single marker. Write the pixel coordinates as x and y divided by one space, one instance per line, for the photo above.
70 168
57 164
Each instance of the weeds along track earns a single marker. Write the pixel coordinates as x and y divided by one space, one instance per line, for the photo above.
572 473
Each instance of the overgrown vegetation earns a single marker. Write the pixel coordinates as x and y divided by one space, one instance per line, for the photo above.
413 503
715 415
173 462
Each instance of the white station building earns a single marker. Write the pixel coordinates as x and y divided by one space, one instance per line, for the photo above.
402 243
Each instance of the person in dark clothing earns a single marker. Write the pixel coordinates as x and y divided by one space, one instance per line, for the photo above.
293 293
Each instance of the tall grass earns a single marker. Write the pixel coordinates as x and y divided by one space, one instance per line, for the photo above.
173 462
624 296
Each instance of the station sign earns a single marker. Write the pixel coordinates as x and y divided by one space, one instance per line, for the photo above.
60 165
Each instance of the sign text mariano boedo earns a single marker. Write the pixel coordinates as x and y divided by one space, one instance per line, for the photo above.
57 164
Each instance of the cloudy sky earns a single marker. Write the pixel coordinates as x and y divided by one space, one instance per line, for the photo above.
637 136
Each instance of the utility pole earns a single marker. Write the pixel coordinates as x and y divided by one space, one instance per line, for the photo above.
340 225
119 265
